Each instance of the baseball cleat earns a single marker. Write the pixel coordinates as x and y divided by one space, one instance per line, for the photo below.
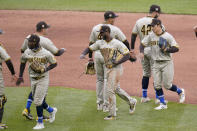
182 96
145 99
27 114
99 107
105 108
161 107
157 101
45 118
110 118
52 115
3 126
132 106
38 126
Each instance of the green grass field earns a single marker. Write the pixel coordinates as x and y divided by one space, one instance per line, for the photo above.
77 112
168 6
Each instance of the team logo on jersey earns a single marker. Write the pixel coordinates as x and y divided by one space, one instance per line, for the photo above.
41 60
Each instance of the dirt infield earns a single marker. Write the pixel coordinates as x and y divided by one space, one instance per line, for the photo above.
71 30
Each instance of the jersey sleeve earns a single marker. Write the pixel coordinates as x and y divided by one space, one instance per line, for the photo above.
146 40
24 45
172 41
120 35
122 48
95 46
48 45
93 36
51 58
135 29
4 54
24 58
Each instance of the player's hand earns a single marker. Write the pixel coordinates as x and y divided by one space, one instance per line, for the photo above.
82 56
14 78
141 55
19 81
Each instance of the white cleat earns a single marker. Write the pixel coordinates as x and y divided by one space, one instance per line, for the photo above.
132 106
157 101
99 107
38 126
145 100
110 118
161 107
182 96
52 115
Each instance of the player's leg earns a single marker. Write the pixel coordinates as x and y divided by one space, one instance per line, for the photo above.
145 79
157 76
26 111
98 59
168 75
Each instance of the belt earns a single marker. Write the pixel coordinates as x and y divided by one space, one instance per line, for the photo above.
38 78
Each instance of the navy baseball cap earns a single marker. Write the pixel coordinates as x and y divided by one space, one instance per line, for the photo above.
155 22
42 25
110 14
105 28
155 8
1 31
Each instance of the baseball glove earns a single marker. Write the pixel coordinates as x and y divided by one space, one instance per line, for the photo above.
110 56
163 44
37 67
133 57
89 68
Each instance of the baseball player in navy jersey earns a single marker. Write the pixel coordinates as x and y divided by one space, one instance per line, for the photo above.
114 73
101 89
39 80
143 28
4 57
41 31
163 68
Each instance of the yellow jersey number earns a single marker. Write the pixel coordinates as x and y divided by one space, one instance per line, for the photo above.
146 29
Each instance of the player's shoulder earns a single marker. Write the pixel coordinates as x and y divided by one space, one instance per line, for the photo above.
144 20
45 51
98 26
166 35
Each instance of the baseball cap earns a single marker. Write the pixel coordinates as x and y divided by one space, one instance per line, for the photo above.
155 22
104 28
42 25
155 8
1 31
110 14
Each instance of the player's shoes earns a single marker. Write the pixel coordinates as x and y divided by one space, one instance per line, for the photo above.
99 107
110 118
145 99
39 126
52 115
45 118
132 106
27 114
157 101
161 107
3 126
182 96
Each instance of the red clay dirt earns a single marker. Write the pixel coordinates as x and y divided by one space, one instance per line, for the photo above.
71 30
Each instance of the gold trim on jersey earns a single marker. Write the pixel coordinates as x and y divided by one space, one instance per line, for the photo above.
8 59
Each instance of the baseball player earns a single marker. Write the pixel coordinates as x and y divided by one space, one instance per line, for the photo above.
112 74
4 57
143 28
102 100
41 31
195 30
163 68
40 78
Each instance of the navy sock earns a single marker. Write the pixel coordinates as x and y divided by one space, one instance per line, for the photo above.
47 107
40 113
29 101
160 95
176 89
145 82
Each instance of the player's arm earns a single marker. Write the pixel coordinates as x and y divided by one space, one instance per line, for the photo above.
174 47
133 39
90 52
126 43
91 48
10 66
24 45
60 52
52 62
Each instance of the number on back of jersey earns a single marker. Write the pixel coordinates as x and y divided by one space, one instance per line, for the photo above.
146 29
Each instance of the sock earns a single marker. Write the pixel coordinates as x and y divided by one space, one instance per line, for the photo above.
160 95
47 107
145 82
1 114
176 89
29 102
40 113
